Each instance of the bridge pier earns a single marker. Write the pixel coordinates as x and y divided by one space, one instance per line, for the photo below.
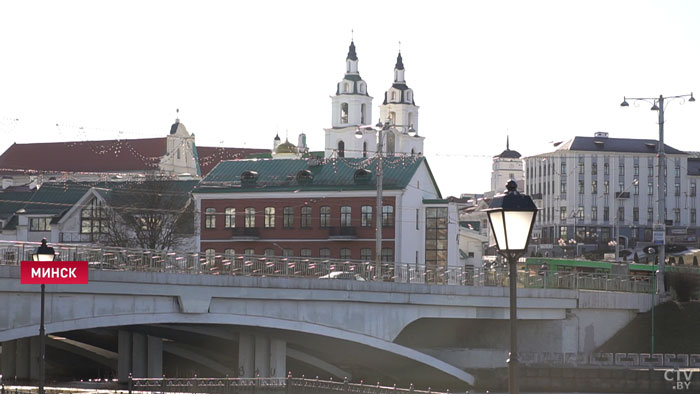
140 355
261 356
20 359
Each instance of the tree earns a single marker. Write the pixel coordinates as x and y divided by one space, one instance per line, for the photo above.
149 214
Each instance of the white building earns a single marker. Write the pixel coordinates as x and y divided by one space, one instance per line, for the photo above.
575 188
352 109
506 166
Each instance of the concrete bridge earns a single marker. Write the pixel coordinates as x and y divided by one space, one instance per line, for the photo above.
246 326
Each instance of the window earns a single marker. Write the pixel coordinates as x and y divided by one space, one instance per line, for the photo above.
269 217
563 168
581 168
579 213
210 256
650 170
594 187
305 217
362 109
344 113
562 213
435 239
621 214
325 216
417 218
621 169
249 252
678 171
366 216
388 216
341 149
347 88
606 214
594 214
230 218
650 215
93 218
364 149
324 253
677 189
229 254
287 252
635 189
40 224
606 187
581 186
366 254
393 95
249 217
693 189
210 218
650 187
635 214
345 254
563 233
305 252
345 216
288 217
677 216
606 169
636 170
388 255
562 189
594 169
269 252
693 216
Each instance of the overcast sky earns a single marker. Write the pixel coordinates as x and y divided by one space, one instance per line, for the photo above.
240 72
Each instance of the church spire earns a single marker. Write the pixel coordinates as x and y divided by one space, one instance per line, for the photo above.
399 62
352 55
507 142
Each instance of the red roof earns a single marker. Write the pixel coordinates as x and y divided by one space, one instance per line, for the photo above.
107 156
210 156
88 156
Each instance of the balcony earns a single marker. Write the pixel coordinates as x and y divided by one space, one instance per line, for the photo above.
342 233
245 232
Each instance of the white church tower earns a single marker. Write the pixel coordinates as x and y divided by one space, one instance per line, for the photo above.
401 110
508 165
352 107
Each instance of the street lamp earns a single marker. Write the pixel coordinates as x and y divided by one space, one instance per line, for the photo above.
42 331
658 105
511 217
380 129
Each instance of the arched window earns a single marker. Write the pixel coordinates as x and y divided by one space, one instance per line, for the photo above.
363 108
210 218
347 87
230 218
408 97
210 255
413 152
410 119
344 113
364 149
393 95
392 117
362 87
348 65
341 149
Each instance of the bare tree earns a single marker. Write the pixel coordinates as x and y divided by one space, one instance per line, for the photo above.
149 214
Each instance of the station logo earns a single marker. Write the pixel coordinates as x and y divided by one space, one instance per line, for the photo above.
679 379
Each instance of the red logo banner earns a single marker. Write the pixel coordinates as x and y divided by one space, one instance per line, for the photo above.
54 272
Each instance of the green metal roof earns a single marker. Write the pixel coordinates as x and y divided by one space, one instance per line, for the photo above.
327 175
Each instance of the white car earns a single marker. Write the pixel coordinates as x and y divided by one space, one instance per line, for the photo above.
343 275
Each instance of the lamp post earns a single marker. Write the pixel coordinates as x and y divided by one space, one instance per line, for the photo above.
42 331
511 217
659 105
380 129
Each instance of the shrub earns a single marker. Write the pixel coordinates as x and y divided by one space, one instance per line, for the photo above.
685 285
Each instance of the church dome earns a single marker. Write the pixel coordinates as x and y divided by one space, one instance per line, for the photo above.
286 147
509 154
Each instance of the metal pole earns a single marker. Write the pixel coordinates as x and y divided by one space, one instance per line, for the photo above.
653 290
513 355
378 222
42 345
662 197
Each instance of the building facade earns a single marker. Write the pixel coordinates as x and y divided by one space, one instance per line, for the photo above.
326 209
589 184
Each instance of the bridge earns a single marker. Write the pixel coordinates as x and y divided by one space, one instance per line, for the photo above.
241 321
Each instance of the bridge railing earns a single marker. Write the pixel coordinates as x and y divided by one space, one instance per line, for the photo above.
610 360
124 259
289 385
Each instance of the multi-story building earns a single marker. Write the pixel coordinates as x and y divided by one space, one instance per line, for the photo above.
588 184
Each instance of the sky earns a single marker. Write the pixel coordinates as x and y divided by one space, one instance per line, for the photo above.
241 72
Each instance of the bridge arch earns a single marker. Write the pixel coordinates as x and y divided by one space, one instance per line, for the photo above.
240 320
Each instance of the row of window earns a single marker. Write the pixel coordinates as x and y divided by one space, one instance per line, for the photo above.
579 214
621 186
305 217
366 254
549 169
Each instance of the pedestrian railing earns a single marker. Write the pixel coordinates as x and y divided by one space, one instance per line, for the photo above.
610 360
125 259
